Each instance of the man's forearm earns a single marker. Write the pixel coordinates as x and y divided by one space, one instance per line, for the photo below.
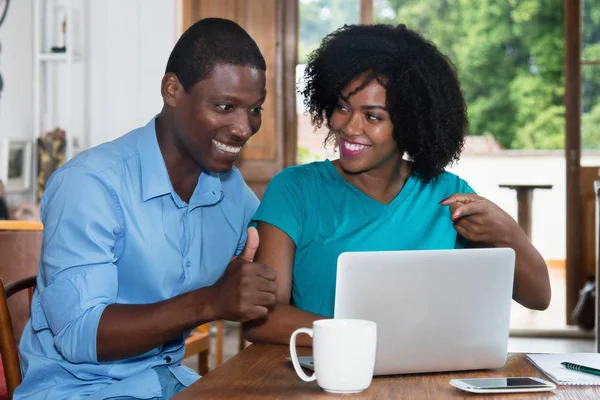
279 325
128 330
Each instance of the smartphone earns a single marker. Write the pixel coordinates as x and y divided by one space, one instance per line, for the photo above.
306 362
503 385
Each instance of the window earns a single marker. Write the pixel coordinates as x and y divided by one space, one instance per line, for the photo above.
317 19
509 58
590 75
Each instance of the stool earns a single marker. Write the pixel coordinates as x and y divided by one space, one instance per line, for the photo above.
524 201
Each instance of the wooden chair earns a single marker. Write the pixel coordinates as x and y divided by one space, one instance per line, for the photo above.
20 248
219 344
20 243
8 342
199 343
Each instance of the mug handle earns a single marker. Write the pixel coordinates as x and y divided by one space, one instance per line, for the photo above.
294 355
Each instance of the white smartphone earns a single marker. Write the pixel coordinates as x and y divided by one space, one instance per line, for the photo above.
503 385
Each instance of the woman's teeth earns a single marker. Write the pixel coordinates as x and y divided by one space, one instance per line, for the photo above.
226 148
354 146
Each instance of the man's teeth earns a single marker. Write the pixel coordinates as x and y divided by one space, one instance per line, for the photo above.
354 146
226 148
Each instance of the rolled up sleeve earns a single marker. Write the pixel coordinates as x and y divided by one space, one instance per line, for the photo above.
82 221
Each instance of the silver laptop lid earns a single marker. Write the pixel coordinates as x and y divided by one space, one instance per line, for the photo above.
436 310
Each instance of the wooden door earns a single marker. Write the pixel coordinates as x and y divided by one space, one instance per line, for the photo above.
588 176
273 25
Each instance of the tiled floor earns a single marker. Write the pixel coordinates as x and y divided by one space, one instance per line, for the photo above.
515 344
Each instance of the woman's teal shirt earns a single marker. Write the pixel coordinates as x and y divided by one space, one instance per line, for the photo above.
325 216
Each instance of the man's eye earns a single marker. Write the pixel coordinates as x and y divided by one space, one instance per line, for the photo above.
256 111
224 107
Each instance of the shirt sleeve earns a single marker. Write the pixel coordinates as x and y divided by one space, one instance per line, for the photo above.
466 188
82 221
283 204
250 206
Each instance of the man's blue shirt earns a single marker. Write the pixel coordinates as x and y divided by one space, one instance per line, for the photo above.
115 231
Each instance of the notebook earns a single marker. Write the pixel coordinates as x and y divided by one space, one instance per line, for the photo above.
549 364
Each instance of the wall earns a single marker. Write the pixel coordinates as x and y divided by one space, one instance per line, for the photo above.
124 49
16 66
63 86
129 44
485 172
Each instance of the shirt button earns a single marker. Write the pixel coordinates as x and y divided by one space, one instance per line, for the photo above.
189 264
168 359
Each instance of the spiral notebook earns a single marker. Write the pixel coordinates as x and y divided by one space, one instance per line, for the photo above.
549 364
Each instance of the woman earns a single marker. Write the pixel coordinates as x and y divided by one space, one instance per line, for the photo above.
395 111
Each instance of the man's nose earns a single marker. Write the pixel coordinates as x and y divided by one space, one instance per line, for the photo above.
242 126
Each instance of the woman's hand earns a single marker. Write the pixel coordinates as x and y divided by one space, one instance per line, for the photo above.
477 219
481 221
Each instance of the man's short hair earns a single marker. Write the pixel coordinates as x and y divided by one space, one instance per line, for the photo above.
209 42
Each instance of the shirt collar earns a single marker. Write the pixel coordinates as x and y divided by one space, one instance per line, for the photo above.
155 178
208 190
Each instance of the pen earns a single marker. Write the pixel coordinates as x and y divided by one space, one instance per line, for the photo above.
581 368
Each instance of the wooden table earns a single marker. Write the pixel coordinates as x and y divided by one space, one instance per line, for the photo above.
261 372
524 202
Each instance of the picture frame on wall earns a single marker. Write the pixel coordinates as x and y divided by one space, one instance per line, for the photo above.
15 164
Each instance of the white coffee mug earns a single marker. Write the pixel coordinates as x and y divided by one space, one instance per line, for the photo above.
343 354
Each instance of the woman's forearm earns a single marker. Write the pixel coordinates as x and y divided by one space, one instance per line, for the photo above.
279 325
532 282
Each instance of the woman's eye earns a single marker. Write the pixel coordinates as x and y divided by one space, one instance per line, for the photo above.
343 108
372 117
224 107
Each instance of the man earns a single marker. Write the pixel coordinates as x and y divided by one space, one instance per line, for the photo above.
139 234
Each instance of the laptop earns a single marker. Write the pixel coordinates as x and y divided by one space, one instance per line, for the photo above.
436 310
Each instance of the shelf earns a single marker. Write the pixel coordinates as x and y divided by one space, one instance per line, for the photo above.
56 74
56 57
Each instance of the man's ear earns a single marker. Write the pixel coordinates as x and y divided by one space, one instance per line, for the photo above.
171 89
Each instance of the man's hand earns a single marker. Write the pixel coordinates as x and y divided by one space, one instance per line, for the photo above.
480 220
243 293
246 290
